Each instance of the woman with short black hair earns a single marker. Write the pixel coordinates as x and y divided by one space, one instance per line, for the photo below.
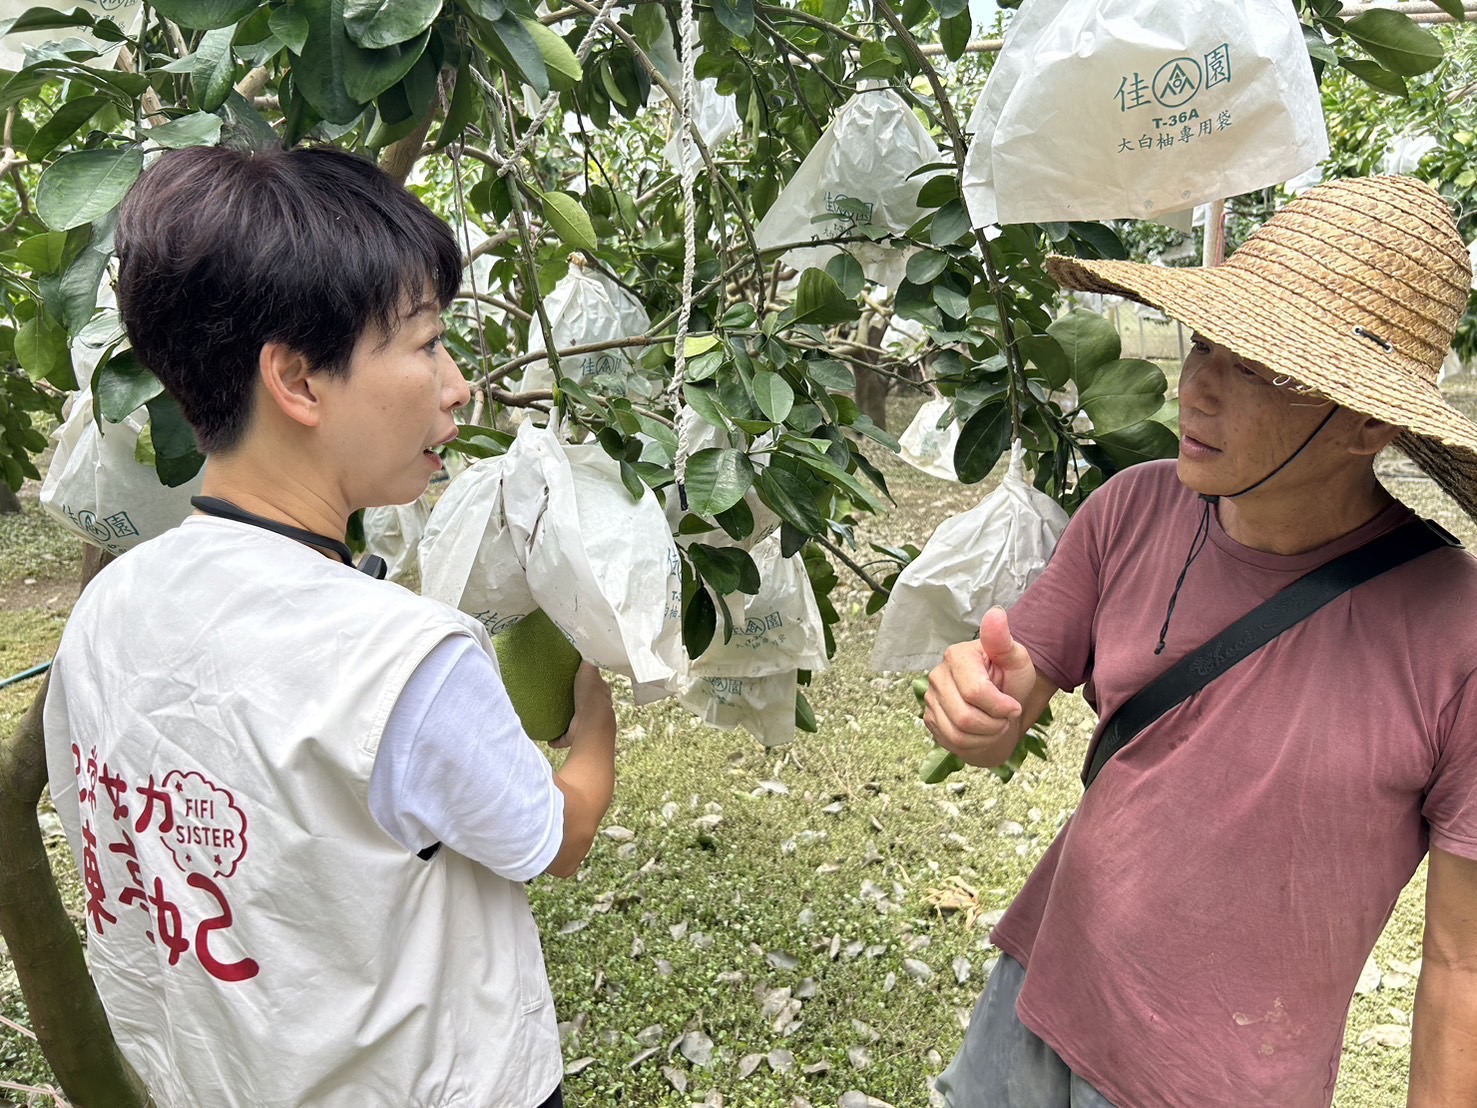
301 802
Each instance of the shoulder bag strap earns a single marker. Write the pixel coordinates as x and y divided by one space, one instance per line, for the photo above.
1260 626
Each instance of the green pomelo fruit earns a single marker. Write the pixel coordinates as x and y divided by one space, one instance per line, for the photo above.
538 666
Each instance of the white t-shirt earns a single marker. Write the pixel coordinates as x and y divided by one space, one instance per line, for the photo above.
431 783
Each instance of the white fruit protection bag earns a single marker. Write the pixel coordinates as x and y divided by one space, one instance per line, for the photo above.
467 554
127 14
552 526
750 680
762 706
972 562
1105 109
924 446
587 307
96 488
394 533
859 172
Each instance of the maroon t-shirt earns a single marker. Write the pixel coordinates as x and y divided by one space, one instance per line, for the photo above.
1194 934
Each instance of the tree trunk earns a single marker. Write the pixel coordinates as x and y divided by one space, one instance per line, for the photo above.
9 502
66 1015
399 158
871 386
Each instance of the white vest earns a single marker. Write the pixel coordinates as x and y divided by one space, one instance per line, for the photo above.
255 937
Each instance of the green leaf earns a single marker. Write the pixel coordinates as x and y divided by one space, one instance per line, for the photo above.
49 252
41 347
466 105
951 300
374 24
559 60
63 124
568 219
73 299
981 442
699 622
176 458
1395 41
1122 393
290 27
938 191
925 265
1318 48
46 19
847 272
819 300
523 50
1143 442
915 302
319 71
1452 8
804 714
717 479
838 477
947 9
774 395
949 223
196 129
830 374
1087 339
1048 357
735 16
1376 76
210 77
368 73
121 385
1102 240
632 480
727 568
938 765
704 401
954 34
205 15
78 188
739 317
737 522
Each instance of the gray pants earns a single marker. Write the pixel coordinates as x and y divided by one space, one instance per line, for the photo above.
1001 1064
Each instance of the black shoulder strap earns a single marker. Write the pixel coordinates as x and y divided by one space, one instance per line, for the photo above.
1258 627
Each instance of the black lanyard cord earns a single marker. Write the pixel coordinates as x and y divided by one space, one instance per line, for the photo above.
215 506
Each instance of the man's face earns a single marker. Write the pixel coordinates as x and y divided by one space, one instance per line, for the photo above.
393 407
1237 426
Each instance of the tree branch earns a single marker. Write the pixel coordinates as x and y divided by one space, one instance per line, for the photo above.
1015 365
842 557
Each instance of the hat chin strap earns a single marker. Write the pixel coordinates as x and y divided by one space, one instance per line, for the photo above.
1258 484
1202 532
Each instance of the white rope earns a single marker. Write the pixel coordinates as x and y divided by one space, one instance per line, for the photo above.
687 165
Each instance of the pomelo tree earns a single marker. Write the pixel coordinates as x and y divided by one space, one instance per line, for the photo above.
542 135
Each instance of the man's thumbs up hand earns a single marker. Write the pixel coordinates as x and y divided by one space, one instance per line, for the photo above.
973 706
1009 666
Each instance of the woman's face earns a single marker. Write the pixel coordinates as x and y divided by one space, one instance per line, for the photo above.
391 410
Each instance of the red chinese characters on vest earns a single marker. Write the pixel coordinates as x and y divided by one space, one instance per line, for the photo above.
201 829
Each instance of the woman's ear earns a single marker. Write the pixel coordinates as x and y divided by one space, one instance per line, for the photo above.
1371 436
287 377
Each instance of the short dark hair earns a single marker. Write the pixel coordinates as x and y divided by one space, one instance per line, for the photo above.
222 251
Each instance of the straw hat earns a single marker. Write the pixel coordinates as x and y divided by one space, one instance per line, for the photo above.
1354 290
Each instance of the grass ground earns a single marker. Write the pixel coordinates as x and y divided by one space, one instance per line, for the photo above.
777 927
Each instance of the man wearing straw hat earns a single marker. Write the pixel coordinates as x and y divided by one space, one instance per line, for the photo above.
1193 936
